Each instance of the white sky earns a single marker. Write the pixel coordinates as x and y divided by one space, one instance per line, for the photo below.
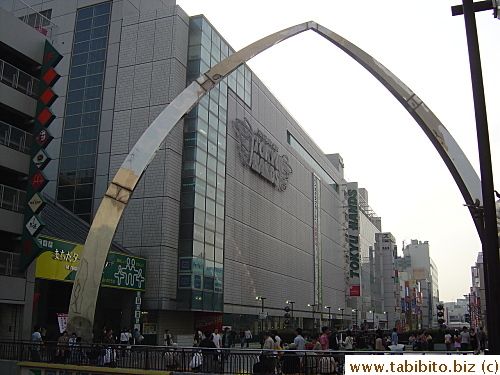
346 110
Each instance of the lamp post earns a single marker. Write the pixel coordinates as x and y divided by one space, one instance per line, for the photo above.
355 311
373 317
262 299
329 316
313 305
293 320
342 318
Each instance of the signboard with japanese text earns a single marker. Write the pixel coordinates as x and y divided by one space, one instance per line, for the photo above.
59 260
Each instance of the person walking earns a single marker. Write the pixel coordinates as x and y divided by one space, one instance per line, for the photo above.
216 338
36 344
197 337
394 336
324 340
473 340
167 338
448 341
248 337
208 351
226 338
481 337
465 337
299 341
349 341
242 338
457 339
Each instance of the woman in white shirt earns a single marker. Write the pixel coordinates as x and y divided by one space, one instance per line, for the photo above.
349 341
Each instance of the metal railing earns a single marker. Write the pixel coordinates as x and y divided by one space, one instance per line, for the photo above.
15 138
160 358
8 262
37 20
12 199
19 80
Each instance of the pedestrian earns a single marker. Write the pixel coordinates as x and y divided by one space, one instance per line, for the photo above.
333 339
124 340
208 352
276 338
394 336
349 341
299 341
110 351
465 336
167 338
197 337
242 338
226 338
61 347
325 338
78 355
316 343
36 343
481 337
423 339
473 340
457 340
137 336
248 337
430 342
216 338
448 340
379 341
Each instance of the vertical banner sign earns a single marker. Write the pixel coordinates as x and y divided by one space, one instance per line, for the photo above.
317 241
37 180
353 261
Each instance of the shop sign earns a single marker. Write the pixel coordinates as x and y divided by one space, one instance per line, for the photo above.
59 260
353 260
260 154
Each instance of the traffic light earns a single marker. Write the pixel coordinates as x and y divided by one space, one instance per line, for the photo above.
440 315
287 315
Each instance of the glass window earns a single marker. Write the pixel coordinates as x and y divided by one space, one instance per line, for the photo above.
212 149
68 204
87 161
83 206
190 139
75 96
221 183
186 231
201 186
194 52
96 44
220 197
219 240
99 32
84 24
89 132
66 192
94 80
202 127
211 192
210 222
221 155
210 257
201 156
209 237
101 20
78 71
194 66
199 217
212 163
210 204
203 113
93 92
199 202
85 176
194 36
211 177
97 55
205 40
102 9
202 142
198 249
221 142
198 233
195 23
67 178
92 105
81 47
187 200
219 225
84 191
77 83
189 153
88 147
187 184
219 253
74 108
212 134
82 36
89 119
72 135
201 171
94 68
220 211
79 59
84 13
187 215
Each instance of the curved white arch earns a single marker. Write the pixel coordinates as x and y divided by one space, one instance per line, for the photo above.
88 277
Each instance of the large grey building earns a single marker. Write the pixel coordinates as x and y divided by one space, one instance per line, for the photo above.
239 202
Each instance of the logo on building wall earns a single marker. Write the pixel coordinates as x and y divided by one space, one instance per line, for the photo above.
258 153
353 240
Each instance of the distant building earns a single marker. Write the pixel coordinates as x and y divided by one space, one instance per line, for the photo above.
419 266
478 294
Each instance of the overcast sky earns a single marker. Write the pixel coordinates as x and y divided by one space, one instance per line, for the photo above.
346 110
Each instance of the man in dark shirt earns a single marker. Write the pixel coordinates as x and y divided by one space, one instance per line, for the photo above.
208 350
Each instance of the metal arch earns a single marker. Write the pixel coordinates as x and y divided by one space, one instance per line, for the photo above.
88 277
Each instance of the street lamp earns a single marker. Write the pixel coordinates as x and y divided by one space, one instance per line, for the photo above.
288 302
262 299
342 318
329 316
355 311
373 318
313 305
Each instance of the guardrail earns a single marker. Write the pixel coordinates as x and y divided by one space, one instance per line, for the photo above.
12 199
19 80
15 138
40 21
8 261
160 358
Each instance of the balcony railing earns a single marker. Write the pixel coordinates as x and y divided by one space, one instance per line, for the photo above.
40 21
12 199
19 80
8 263
15 138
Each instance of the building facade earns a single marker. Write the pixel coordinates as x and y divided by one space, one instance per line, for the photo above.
238 203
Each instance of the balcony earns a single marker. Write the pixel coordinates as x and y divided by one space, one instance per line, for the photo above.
12 199
15 138
19 80
40 21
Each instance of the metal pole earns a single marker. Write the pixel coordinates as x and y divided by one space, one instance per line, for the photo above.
490 234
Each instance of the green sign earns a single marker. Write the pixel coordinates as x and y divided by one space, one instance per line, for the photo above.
59 260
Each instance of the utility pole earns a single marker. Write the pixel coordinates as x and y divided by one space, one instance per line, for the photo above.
487 212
